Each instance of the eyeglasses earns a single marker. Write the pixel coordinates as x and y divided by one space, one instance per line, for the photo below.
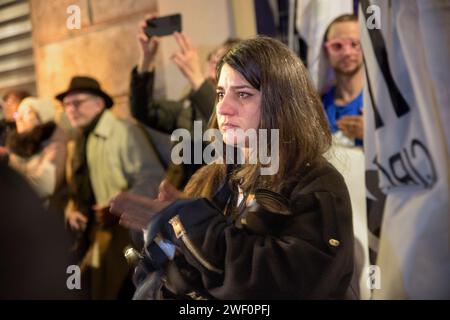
337 46
75 103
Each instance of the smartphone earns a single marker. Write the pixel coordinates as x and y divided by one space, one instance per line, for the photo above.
163 26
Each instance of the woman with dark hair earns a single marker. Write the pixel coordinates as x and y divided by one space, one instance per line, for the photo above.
237 234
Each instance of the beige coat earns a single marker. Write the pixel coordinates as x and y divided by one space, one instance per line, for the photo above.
119 158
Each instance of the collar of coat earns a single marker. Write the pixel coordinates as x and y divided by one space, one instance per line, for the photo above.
105 124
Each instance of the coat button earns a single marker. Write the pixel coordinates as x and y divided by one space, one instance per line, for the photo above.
334 242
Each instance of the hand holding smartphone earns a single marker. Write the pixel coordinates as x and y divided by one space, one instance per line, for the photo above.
163 26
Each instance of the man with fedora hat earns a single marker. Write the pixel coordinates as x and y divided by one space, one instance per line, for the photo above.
108 156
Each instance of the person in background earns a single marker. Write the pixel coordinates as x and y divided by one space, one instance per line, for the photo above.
343 102
169 115
238 234
34 260
9 105
37 148
108 156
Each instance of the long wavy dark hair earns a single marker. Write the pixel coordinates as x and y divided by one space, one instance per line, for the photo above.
29 143
289 102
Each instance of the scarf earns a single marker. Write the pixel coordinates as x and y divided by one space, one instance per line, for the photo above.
80 188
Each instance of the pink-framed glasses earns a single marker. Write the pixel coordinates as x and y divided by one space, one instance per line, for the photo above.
337 46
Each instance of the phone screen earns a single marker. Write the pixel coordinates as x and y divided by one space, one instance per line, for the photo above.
163 26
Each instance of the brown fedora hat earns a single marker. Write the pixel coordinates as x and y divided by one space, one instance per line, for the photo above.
86 84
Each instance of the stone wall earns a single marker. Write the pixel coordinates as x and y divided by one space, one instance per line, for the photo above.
105 47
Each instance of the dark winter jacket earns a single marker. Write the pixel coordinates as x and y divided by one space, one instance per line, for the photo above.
294 245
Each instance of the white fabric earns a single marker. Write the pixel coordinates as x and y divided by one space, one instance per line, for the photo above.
349 161
414 252
313 18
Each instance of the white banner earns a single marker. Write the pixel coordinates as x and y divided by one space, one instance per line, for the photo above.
406 143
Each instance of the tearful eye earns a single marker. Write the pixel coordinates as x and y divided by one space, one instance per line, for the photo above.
219 95
243 95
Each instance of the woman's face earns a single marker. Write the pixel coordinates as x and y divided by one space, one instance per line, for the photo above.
26 119
238 106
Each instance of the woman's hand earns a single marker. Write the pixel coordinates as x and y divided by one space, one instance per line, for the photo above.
134 211
188 61
148 47
168 192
